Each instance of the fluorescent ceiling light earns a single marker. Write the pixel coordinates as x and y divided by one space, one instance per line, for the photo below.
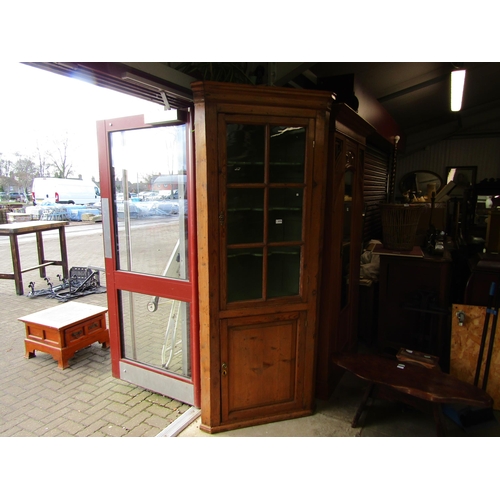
457 89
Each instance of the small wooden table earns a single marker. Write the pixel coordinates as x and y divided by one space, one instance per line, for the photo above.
411 383
62 330
37 227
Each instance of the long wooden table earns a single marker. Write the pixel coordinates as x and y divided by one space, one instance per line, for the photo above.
412 384
38 227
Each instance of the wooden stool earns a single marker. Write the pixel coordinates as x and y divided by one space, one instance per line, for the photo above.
62 330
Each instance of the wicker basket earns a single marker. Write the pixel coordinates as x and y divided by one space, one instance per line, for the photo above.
399 225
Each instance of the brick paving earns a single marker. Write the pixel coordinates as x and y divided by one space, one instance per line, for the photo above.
39 399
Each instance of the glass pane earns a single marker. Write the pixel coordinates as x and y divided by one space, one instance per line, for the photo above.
283 273
348 181
156 332
346 269
285 214
245 215
152 226
346 247
244 274
287 154
245 153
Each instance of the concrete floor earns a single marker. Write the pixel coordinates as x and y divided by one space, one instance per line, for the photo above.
333 418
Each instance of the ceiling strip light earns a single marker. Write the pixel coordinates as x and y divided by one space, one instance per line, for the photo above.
457 89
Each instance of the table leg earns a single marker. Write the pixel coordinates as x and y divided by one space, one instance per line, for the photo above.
438 419
64 253
361 407
16 264
41 253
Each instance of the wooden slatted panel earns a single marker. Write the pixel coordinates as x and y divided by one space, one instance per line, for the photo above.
374 191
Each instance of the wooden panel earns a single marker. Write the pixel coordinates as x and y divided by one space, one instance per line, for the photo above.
261 361
264 357
465 343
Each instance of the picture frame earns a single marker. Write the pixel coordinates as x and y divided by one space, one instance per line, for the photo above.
463 177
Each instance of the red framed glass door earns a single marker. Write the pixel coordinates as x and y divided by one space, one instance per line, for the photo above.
150 253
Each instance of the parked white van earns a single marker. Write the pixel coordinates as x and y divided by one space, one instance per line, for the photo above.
75 191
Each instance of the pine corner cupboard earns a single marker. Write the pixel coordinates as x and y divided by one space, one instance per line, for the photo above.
261 183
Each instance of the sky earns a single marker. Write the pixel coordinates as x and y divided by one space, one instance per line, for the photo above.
39 108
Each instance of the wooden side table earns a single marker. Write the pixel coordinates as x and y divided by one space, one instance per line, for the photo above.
38 227
62 330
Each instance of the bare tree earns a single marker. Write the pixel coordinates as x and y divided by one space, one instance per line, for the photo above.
59 161
5 167
43 168
24 172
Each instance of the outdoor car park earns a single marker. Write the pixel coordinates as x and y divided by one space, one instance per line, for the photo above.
14 196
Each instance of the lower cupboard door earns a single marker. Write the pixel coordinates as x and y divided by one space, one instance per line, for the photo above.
262 366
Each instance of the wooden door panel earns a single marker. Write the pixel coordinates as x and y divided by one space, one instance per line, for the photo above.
263 358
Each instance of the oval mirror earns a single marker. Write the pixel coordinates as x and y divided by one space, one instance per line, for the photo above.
417 182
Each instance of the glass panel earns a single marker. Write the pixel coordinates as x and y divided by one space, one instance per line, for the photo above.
152 228
287 154
156 332
348 182
346 247
285 214
346 267
245 153
244 274
245 216
283 275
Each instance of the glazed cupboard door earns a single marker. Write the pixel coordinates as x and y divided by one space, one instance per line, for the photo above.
262 228
260 161
262 209
338 317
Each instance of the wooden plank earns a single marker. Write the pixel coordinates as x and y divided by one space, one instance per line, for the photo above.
465 343
45 264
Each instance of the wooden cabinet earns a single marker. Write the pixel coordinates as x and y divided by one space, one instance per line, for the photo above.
344 205
260 183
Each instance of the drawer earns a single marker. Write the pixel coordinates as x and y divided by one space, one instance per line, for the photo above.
74 334
95 325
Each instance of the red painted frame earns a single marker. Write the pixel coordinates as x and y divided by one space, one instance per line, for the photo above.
186 291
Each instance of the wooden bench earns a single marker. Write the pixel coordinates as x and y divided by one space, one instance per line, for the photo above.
410 383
